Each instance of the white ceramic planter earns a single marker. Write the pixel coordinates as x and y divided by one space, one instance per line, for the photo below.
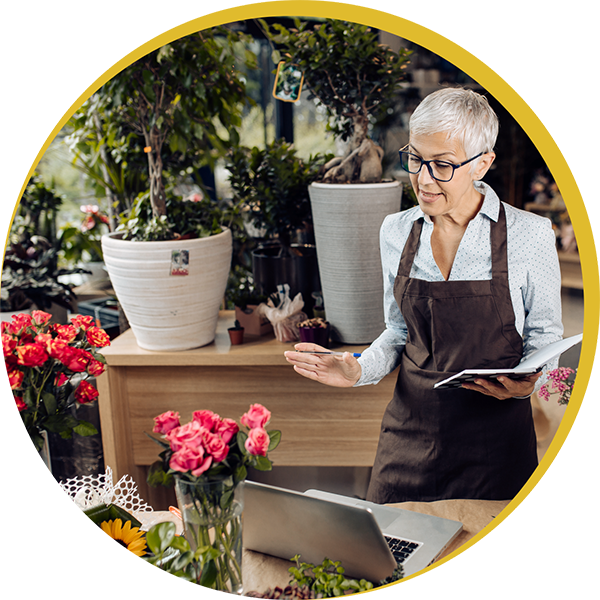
165 311
347 219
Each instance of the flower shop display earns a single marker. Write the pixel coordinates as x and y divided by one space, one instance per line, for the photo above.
49 366
208 458
559 381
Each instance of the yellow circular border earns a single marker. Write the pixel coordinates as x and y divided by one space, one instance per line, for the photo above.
479 39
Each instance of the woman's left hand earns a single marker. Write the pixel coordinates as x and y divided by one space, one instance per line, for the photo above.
504 387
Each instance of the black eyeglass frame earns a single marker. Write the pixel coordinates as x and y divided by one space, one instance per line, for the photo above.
427 163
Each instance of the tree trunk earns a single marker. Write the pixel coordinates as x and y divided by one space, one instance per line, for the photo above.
362 161
157 189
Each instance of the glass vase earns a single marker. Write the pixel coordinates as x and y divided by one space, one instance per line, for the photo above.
212 521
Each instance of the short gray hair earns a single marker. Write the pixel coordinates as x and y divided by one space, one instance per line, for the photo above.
464 114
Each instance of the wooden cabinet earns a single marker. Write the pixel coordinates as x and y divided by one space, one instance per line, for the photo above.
320 425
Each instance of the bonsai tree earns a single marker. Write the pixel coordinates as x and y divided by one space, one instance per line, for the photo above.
271 187
183 103
354 77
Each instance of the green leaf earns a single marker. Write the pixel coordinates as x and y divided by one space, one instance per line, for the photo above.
209 574
158 476
29 397
240 473
49 403
275 438
182 561
262 463
241 437
160 536
84 429
180 543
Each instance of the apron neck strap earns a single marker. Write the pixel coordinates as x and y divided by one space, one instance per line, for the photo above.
410 248
499 246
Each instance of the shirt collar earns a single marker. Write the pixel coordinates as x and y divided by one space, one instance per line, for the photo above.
490 207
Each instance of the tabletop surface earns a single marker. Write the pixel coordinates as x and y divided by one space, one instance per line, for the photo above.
263 350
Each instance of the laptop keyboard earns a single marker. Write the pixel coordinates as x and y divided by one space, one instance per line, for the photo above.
402 549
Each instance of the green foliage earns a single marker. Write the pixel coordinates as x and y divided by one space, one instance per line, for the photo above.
327 578
30 276
346 69
184 218
30 271
241 290
187 96
83 242
37 212
271 187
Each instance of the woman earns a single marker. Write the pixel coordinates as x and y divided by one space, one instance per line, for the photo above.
469 282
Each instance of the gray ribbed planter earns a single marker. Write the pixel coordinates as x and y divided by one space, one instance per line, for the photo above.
347 219
169 312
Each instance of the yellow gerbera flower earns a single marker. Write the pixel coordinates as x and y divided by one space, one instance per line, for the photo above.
131 537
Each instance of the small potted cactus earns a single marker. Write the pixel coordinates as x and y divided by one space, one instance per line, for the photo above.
236 334
315 330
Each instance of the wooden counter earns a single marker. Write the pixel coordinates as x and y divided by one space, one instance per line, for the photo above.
320 425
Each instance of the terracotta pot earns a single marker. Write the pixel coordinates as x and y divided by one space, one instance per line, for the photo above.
236 336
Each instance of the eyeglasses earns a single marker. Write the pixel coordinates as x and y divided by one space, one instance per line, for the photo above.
440 170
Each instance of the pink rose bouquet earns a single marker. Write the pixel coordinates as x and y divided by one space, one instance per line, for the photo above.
48 368
208 457
210 447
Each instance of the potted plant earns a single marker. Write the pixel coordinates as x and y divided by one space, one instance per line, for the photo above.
30 278
31 275
356 79
242 294
315 330
271 187
236 334
169 259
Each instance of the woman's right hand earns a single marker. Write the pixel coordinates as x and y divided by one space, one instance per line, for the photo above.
334 370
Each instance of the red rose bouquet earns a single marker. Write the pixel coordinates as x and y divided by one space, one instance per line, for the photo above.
208 457
48 369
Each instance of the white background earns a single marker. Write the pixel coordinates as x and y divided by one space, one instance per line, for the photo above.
41 45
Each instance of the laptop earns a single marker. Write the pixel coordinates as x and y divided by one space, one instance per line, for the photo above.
370 540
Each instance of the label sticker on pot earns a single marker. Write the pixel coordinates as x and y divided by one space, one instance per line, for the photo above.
180 260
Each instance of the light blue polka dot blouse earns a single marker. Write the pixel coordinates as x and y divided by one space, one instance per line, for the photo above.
533 272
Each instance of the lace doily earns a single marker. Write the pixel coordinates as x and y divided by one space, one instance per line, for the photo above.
88 491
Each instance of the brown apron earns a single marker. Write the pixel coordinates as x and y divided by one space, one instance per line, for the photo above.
455 443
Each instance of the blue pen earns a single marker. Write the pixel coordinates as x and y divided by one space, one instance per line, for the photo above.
355 354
